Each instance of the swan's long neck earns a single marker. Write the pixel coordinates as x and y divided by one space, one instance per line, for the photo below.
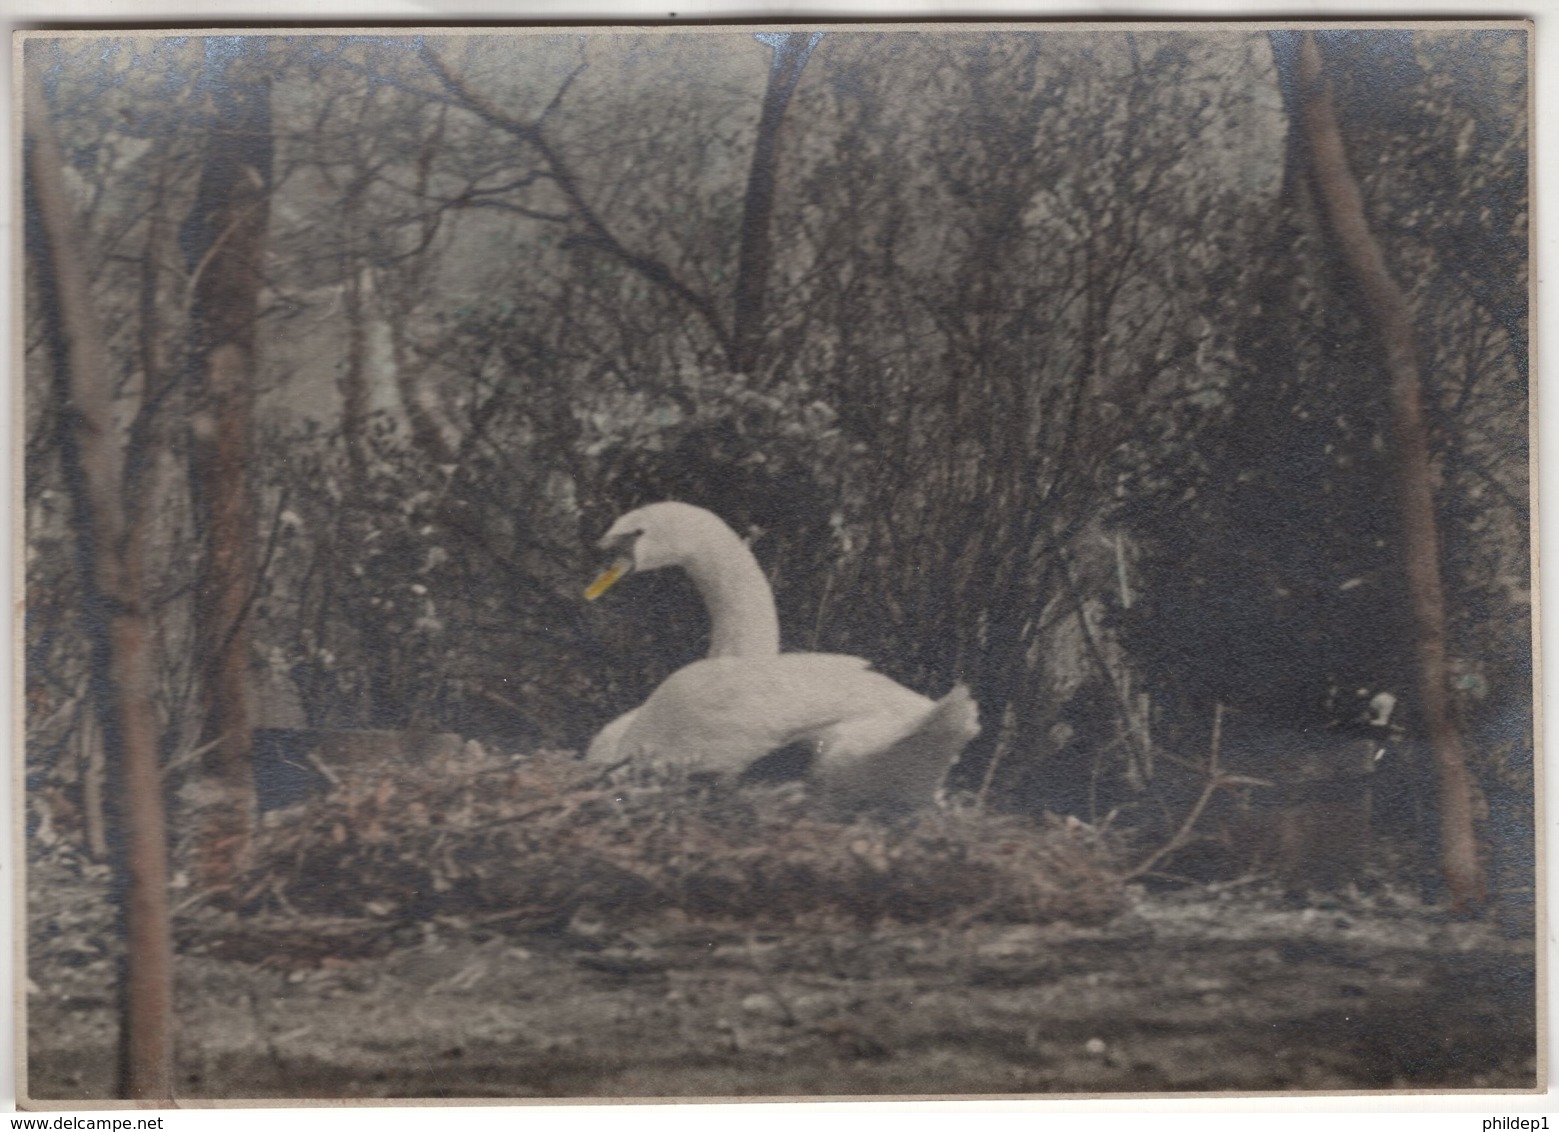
742 616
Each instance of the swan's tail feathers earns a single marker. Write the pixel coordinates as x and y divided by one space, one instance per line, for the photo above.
963 712
906 775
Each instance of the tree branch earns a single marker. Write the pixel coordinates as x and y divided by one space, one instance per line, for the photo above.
596 235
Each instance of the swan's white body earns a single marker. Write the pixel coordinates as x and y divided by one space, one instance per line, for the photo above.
875 740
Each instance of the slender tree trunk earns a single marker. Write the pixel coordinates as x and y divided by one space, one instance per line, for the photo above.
431 429
791 51
354 377
120 635
1389 309
223 239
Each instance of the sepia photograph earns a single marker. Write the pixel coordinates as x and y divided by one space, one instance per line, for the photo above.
741 561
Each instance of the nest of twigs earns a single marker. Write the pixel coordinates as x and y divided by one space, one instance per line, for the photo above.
531 841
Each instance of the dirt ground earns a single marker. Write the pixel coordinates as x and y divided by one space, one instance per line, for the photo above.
1223 989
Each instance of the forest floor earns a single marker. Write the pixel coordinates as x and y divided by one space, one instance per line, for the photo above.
1228 988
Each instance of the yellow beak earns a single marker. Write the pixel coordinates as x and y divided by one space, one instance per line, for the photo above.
609 578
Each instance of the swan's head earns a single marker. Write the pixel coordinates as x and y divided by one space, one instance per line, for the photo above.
657 536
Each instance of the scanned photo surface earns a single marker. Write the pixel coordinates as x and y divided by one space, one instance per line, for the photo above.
871 560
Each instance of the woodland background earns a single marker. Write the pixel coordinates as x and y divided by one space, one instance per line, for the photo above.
1026 358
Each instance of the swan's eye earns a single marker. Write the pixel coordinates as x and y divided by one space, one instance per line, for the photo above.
621 543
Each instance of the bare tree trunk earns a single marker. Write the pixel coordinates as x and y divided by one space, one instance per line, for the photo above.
431 429
1388 307
93 462
354 376
223 240
791 51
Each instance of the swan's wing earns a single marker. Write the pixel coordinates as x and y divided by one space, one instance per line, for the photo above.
881 712
878 742
903 774
722 714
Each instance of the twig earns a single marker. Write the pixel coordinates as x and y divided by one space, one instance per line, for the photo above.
1175 879
278 887
189 902
1140 747
191 755
567 805
1239 882
1215 781
500 917
497 698
1217 739
318 764
990 776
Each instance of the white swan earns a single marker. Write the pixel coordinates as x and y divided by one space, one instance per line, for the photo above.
743 619
876 741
